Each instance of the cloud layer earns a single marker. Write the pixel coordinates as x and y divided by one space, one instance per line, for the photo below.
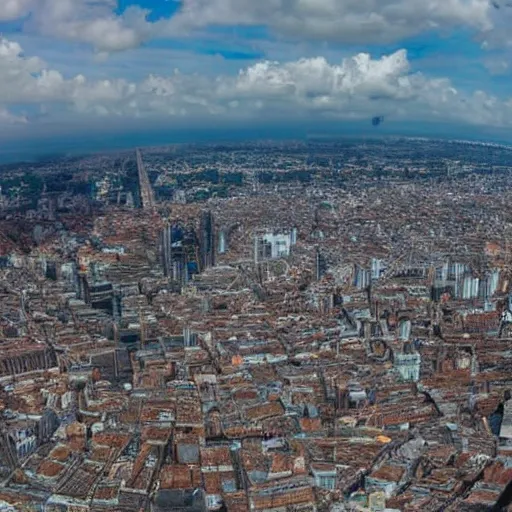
349 21
89 21
310 89
98 23
14 9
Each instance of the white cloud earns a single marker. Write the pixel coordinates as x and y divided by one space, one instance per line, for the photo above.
7 117
497 66
14 9
89 21
351 21
305 78
313 89
499 35
354 21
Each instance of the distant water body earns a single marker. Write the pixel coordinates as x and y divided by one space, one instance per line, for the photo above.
37 149
34 149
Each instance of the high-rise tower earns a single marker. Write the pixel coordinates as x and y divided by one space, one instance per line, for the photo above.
207 240
179 252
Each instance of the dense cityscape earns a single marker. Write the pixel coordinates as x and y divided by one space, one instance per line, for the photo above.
320 325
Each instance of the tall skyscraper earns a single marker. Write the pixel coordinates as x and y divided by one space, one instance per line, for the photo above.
320 265
165 244
173 255
179 252
207 240
223 243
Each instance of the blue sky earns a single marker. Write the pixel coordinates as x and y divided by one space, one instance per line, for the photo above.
74 67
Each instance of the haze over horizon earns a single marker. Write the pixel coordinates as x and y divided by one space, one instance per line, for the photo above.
98 74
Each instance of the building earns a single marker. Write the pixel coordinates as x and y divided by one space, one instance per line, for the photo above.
274 245
8 451
378 268
180 252
506 424
207 240
320 265
408 366
223 243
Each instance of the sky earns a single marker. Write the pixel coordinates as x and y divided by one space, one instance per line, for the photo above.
91 73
